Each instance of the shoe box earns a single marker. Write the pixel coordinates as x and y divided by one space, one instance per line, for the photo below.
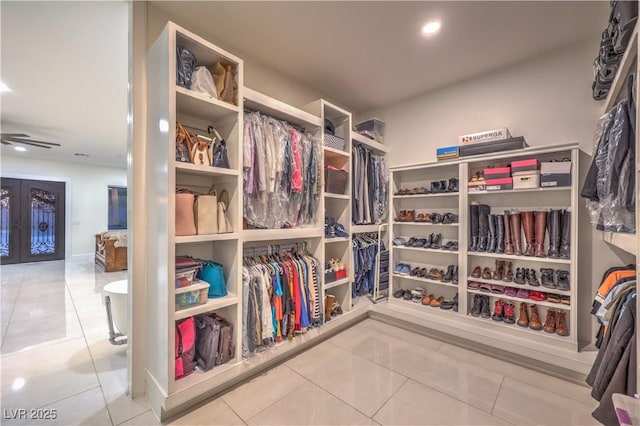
499 184
497 173
555 174
510 144
447 153
526 180
528 165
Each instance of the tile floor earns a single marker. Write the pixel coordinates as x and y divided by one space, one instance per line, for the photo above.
55 355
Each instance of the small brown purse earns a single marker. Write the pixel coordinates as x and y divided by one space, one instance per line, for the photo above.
184 144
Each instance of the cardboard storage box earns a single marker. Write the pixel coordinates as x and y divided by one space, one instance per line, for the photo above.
555 174
447 153
530 164
493 173
526 180
499 184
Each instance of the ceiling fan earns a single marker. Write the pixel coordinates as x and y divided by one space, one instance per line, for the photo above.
21 138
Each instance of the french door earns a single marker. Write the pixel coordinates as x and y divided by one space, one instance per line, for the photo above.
31 220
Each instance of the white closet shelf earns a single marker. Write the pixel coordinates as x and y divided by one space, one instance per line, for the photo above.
527 330
198 104
422 309
200 376
369 143
626 242
516 191
337 283
524 286
333 152
337 240
624 68
424 280
211 305
443 194
193 169
184 239
359 229
519 299
281 234
502 256
278 109
424 224
337 196
425 250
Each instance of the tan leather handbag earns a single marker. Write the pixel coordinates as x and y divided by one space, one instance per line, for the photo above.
185 223
224 224
206 213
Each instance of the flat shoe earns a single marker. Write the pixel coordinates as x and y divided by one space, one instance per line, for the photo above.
416 299
435 303
399 293
447 304
427 299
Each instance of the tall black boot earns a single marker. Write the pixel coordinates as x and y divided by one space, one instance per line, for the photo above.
564 251
553 222
474 227
491 246
500 233
483 222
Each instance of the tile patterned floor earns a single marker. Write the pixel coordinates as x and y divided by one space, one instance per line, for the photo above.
371 374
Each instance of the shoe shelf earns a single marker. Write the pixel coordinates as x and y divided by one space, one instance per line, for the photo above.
424 224
520 299
501 256
211 305
337 283
519 329
337 196
337 240
419 307
424 280
439 194
524 286
518 191
426 250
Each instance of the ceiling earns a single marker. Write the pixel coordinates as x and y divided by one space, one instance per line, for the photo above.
66 62
370 54
67 66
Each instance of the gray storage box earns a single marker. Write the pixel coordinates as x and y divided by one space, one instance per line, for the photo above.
334 142
555 174
490 147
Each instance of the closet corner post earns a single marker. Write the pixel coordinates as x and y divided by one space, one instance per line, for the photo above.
463 235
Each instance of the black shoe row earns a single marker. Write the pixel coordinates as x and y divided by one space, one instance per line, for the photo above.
433 241
502 233
437 187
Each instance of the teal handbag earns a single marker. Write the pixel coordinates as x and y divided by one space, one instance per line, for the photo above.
213 273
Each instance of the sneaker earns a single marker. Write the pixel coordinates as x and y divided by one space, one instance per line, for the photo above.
509 313
406 269
398 268
399 242
498 310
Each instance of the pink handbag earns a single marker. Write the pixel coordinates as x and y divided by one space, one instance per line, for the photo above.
185 221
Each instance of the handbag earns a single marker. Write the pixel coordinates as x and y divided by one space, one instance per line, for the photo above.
205 211
220 155
223 76
185 63
224 225
185 347
201 152
202 82
184 143
185 223
213 273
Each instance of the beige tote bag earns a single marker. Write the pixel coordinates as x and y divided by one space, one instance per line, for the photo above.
185 224
206 213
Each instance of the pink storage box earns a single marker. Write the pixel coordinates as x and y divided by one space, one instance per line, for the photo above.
502 172
499 184
528 165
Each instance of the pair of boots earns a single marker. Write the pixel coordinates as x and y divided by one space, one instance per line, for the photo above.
497 233
533 321
487 230
556 322
331 307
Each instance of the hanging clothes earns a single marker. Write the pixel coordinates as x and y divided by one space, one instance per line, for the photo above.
281 298
365 250
614 370
370 183
281 169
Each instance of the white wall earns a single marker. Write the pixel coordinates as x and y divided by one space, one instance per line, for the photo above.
546 99
86 193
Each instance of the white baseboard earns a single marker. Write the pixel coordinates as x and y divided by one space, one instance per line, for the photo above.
81 258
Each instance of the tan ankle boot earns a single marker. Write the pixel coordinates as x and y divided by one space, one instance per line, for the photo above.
497 274
523 319
561 324
550 322
507 271
534 321
329 300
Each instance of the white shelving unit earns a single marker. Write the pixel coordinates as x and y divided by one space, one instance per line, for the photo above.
167 105
416 176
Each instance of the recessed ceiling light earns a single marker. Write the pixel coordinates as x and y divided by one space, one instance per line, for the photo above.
20 148
4 87
431 27
79 154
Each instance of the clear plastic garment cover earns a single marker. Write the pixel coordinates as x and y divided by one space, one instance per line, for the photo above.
281 174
